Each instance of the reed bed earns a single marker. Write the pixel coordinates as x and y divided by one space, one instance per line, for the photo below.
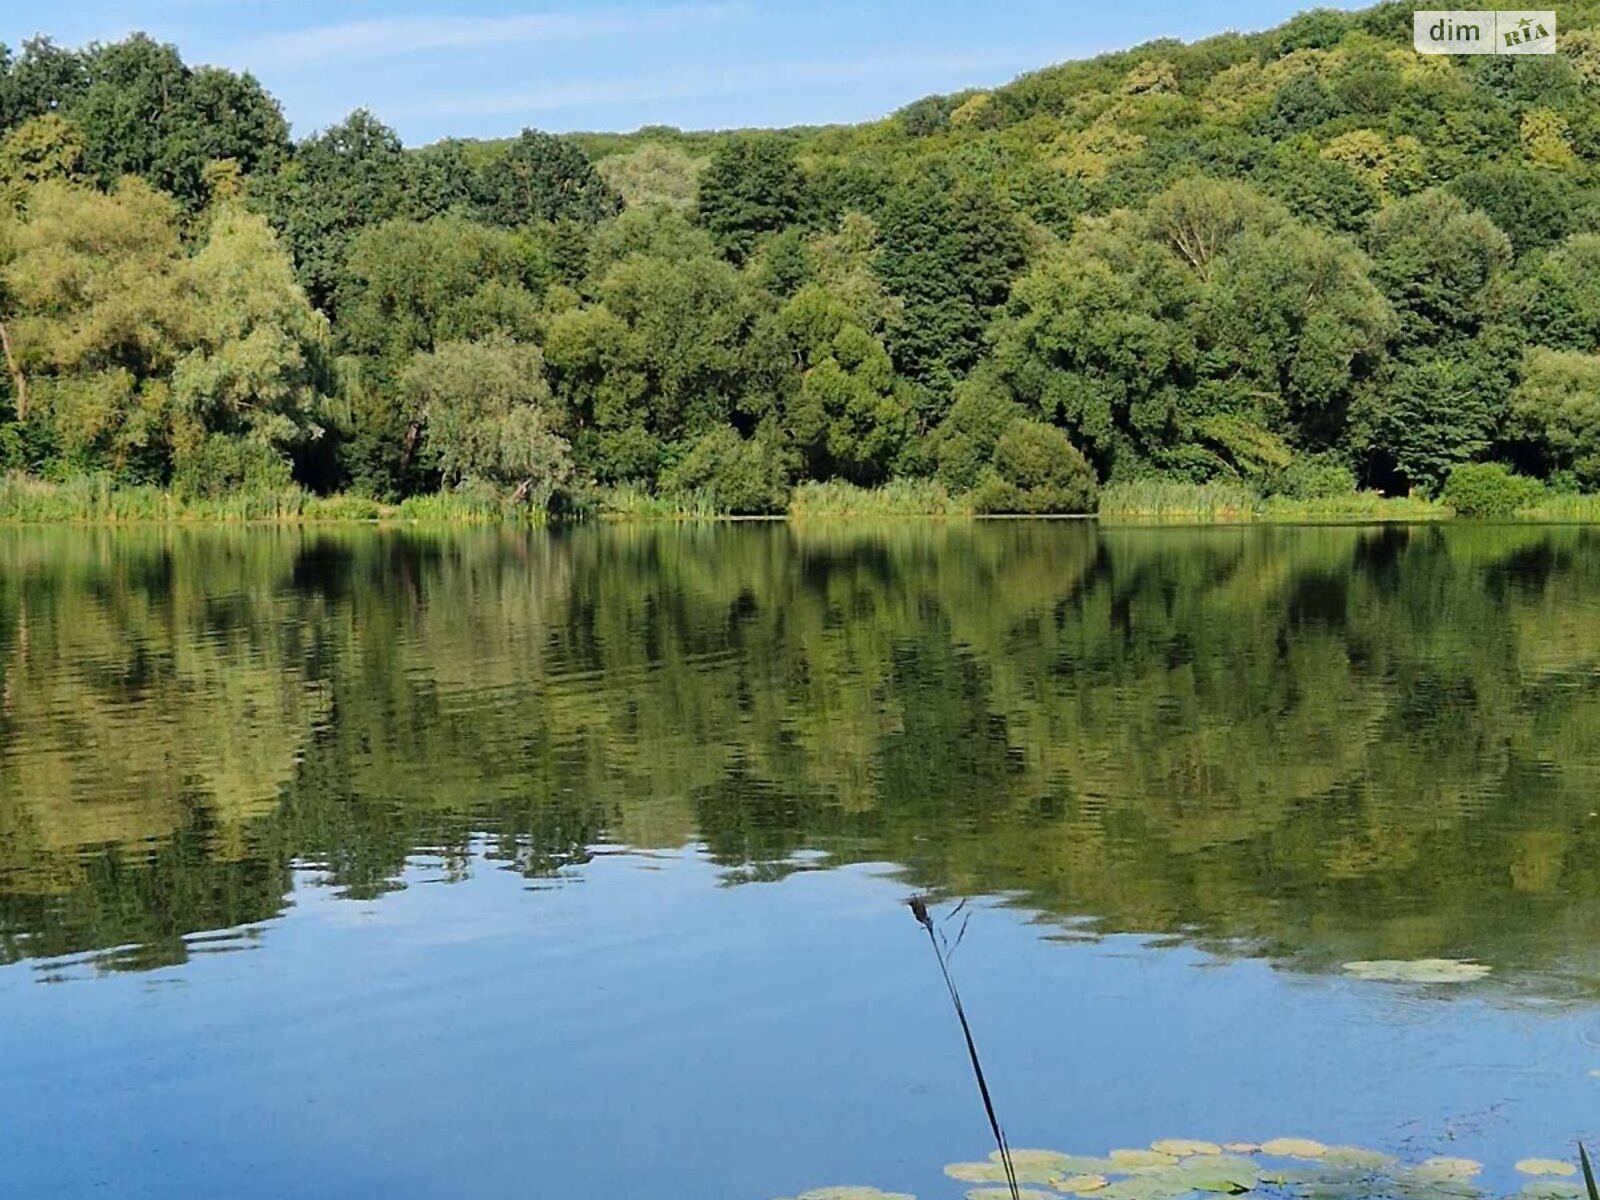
1173 499
898 498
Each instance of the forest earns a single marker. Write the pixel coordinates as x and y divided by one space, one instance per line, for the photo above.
1302 264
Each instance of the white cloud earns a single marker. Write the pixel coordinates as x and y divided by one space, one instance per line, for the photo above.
389 36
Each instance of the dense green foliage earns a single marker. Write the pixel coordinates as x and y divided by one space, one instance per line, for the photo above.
1303 263
1489 490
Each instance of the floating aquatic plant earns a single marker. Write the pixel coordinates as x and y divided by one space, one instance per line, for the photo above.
1184 1147
1550 1189
1026 1166
1546 1166
1448 1168
1285 1168
1418 970
1134 1160
1078 1185
1292 1147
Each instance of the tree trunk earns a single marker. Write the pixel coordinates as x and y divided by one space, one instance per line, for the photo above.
409 446
18 383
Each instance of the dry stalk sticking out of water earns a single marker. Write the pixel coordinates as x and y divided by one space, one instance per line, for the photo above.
942 950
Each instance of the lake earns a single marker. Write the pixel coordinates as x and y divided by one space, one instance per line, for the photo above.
346 862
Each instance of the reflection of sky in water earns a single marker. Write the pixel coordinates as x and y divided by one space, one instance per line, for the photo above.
635 1028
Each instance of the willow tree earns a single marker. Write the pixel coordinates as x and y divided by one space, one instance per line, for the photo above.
97 298
255 362
483 413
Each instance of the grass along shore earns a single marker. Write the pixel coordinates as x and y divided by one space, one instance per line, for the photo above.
96 500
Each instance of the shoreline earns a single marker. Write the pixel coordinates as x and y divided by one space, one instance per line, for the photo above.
91 501
1113 520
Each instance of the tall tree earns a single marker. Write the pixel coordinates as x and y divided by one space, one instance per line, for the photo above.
541 177
98 317
348 176
255 360
484 412
145 113
751 187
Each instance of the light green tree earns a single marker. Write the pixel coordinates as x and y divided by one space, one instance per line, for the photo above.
255 363
484 411
1556 407
96 289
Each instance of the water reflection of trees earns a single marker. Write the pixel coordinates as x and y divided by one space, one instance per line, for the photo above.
1332 743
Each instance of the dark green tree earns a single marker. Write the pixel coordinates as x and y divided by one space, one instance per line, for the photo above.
350 175
145 113
950 250
541 177
751 187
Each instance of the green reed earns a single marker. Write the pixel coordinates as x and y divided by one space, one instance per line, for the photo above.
1353 506
1557 507
897 498
1169 498
942 950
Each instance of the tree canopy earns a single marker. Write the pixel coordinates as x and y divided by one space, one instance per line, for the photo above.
1304 254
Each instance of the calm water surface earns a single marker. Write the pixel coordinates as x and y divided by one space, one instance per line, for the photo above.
348 863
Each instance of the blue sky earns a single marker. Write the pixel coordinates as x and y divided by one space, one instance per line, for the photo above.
486 68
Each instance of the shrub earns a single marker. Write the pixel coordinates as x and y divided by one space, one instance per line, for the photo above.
963 444
13 458
1035 469
1314 478
1563 483
224 466
1489 490
897 498
739 475
341 507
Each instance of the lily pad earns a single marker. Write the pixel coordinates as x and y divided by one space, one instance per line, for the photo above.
1077 1185
1288 1176
1418 970
1358 1157
1184 1147
1037 1166
1053 1159
1032 1166
1005 1194
1447 1169
1546 1166
1291 1147
1224 1173
976 1172
1152 1185
1550 1189
1337 1189
1135 1160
